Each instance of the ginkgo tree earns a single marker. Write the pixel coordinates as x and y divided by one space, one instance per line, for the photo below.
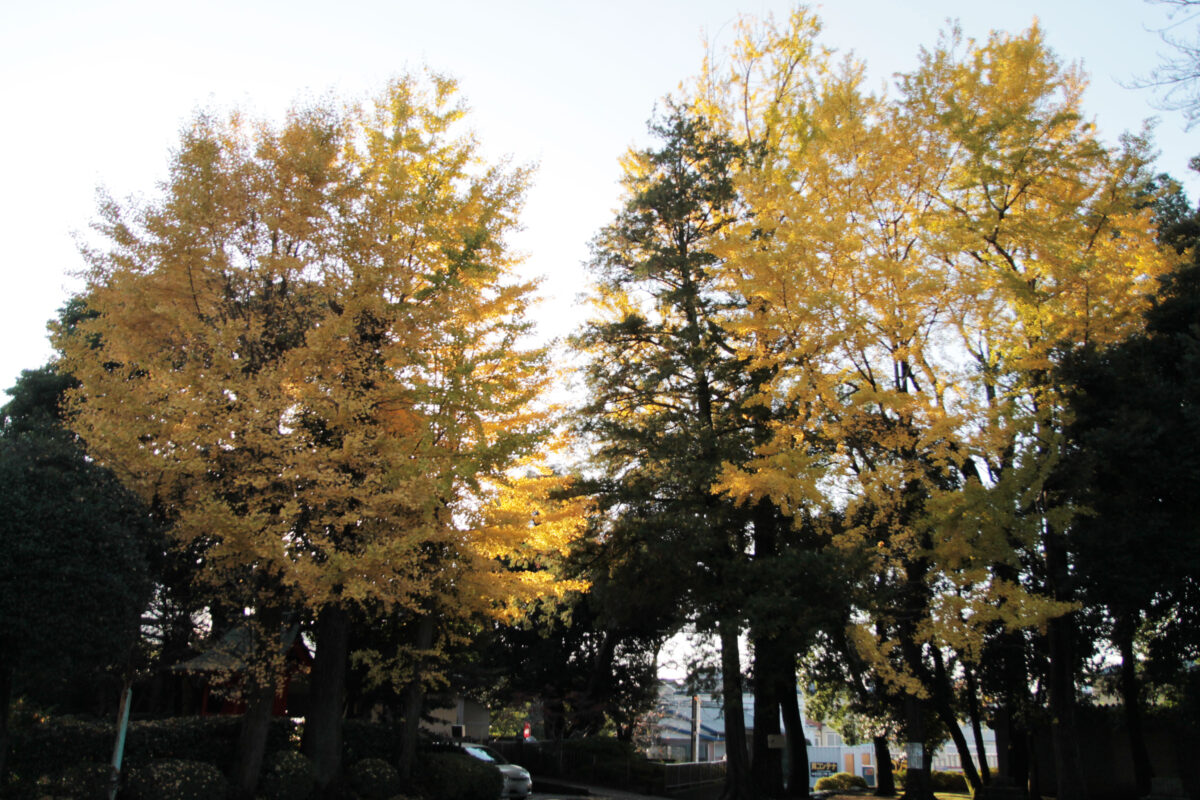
912 267
310 354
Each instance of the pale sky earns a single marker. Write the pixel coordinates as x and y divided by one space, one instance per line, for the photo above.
94 93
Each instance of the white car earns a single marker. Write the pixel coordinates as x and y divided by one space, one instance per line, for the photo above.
517 782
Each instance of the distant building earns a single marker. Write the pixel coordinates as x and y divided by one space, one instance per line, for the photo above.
468 719
670 737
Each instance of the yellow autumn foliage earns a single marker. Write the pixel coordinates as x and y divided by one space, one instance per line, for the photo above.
911 268
310 354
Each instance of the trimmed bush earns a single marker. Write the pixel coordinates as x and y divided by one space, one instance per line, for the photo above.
210 739
840 782
453 776
939 781
175 779
45 747
362 739
948 782
376 779
86 781
287 775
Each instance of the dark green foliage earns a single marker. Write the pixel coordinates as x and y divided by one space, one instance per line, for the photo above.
948 781
668 404
211 739
36 400
362 739
450 776
175 779
586 670
938 781
667 398
287 775
1133 468
376 779
89 780
44 748
75 549
840 781
1133 465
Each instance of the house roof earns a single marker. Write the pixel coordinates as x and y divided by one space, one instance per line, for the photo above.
231 650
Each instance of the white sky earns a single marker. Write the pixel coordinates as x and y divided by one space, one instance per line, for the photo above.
94 93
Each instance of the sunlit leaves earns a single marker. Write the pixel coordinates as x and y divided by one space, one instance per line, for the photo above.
912 268
312 356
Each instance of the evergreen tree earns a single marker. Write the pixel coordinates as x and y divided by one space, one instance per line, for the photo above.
76 550
666 404
1131 466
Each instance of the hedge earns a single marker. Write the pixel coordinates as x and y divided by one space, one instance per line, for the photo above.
175 779
451 776
43 749
287 775
362 739
939 781
88 780
376 779
840 782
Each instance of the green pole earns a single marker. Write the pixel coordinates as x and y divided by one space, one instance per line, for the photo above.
119 747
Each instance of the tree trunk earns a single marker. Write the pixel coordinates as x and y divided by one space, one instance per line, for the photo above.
1002 726
977 727
264 662
737 774
414 698
885 777
6 686
771 663
946 713
945 710
1007 651
322 742
793 723
554 719
917 785
1064 729
589 718
1131 694
766 766
1032 770
252 739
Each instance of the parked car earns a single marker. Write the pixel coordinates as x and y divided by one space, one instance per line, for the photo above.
517 782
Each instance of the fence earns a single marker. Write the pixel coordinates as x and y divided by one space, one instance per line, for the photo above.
677 777
609 767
